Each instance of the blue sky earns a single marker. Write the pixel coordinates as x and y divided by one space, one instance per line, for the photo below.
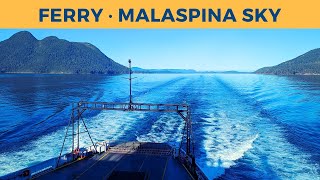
200 49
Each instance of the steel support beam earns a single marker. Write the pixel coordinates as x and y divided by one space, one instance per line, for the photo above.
183 110
132 106
79 108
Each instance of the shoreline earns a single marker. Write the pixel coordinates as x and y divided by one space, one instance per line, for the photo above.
30 73
57 73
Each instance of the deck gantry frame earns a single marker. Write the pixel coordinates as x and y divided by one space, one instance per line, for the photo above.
183 110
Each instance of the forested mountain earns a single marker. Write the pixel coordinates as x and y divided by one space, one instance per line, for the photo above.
306 64
23 53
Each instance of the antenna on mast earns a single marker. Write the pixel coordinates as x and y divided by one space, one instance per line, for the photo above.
130 79
130 90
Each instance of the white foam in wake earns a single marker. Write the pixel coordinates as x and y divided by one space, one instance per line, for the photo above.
104 126
225 141
166 129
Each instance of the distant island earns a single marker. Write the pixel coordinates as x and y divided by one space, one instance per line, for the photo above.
180 71
306 64
159 71
23 53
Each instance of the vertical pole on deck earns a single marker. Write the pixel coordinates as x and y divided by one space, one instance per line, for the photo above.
130 73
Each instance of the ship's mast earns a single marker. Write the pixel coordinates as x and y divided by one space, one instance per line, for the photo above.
130 78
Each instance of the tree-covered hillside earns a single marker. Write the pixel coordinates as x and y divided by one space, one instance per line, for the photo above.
23 53
306 64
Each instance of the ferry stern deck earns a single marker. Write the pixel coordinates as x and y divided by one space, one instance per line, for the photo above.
131 160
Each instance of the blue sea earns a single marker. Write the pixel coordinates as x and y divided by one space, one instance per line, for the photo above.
245 126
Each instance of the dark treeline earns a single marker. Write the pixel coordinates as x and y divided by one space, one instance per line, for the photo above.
23 53
308 63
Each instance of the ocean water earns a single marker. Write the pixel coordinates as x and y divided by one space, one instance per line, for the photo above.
246 126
